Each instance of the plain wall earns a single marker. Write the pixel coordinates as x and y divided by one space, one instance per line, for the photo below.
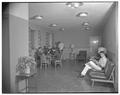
18 34
5 51
42 31
80 39
19 10
110 39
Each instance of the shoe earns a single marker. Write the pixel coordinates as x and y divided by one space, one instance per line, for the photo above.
81 76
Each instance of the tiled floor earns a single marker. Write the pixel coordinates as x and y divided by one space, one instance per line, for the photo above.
65 80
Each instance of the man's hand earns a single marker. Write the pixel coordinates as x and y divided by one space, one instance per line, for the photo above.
92 58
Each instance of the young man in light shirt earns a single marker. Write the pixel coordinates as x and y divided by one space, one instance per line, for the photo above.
94 64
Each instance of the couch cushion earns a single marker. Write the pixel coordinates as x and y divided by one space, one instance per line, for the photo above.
98 75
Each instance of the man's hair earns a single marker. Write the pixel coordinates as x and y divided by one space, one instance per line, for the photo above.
103 53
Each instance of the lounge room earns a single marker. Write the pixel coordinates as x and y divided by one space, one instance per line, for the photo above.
50 47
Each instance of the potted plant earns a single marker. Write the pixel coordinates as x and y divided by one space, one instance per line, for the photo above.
25 64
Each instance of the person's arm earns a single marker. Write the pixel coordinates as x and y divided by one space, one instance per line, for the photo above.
95 61
103 62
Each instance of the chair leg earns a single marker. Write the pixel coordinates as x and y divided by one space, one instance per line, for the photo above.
45 65
92 83
41 65
61 65
55 66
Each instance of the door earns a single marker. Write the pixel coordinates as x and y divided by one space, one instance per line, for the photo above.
95 42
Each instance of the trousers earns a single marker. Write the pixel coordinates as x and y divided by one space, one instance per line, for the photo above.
90 65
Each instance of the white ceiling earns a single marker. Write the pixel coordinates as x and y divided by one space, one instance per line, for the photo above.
65 17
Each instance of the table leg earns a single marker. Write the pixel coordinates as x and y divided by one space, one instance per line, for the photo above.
26 84
16 83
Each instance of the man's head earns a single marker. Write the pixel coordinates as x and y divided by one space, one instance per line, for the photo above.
102 49
102 53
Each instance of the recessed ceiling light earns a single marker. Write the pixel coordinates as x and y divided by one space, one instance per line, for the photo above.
87 28
52 25
37 17
95 41
61 29
82 14
74 4
69 4
85 24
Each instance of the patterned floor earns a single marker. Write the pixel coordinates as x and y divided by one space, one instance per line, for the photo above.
64 80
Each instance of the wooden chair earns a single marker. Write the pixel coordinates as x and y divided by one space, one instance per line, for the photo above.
106 76
58 61
44 62
81 56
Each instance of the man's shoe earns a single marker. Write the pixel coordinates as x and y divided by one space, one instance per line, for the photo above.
81 76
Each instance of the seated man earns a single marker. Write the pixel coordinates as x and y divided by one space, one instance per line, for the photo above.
94 64
37 55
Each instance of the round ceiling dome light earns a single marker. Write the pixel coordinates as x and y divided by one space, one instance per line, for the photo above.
61 29
85 24
69 4
38 17
52 25
74 4
87 28
82 14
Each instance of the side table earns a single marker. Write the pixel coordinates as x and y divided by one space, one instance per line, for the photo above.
24 77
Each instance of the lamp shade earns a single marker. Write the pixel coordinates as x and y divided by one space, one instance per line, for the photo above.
61 46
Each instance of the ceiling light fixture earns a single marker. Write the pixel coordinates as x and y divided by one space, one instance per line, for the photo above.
85 24
74 4
38 17
82 14
87 28
52 25
69 4
61 29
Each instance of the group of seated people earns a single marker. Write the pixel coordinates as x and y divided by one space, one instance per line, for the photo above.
45 53
54 53
95 63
